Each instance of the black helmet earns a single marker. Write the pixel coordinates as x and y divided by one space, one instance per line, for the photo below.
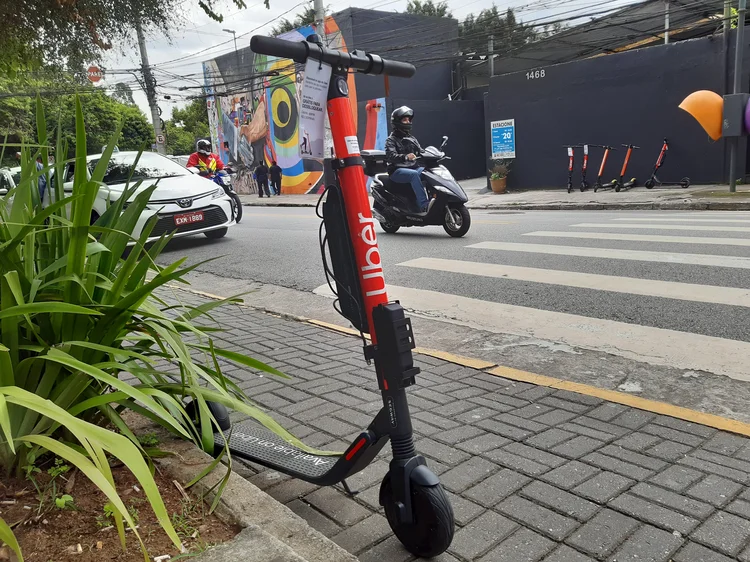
203 147
398 115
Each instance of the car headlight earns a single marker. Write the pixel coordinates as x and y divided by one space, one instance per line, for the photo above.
218 193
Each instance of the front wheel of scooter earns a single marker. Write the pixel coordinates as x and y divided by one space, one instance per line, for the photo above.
684 183
649 184
461 221
236 207
389 228
431 533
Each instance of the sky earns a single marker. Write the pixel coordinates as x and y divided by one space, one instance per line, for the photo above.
201 33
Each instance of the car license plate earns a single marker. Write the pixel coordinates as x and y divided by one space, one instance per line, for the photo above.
188 218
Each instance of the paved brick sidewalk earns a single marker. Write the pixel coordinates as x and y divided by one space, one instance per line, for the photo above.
533 473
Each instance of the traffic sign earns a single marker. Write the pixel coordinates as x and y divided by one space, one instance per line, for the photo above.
95 74
503 138
160 139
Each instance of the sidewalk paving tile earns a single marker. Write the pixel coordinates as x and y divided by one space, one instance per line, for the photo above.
534 474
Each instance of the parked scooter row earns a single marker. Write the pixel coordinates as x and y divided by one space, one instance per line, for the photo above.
617 184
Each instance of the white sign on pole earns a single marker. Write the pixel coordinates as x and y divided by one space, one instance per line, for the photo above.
313 109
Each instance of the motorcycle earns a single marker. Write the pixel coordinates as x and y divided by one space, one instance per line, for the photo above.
223 179
395 204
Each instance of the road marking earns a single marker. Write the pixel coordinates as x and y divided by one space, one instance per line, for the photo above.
656 346
627 285
643 238
686 219
610 253
666 227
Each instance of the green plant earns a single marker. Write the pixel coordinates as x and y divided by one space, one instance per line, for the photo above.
149 439
76 315
65 502
499 170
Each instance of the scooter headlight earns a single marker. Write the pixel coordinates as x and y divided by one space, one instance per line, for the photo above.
441 188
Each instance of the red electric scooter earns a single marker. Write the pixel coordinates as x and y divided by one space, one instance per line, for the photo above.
632 182
571 161
584 167
653 180
415 504
598 185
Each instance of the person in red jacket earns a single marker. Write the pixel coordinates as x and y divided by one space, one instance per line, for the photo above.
203 159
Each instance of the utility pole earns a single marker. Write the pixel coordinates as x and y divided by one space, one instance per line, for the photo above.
236 52
738 47
666 22
490 55
320 20
150 87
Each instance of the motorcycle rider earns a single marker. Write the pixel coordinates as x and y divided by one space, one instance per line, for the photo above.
401 150
203 159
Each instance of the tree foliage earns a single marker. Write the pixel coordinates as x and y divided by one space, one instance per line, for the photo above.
305 17
75 32
123 94
186 126
57 91
428 8
507 31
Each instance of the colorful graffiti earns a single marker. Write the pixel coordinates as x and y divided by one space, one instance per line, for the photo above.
257 119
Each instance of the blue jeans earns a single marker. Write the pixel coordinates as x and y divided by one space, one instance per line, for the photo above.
411 176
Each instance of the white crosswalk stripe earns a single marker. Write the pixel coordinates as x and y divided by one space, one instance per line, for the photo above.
686 219
654 226
596 325
642 238
630 285
617 254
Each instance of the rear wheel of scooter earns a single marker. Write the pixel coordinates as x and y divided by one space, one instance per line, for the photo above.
461 218
685 182
649 184
389 228
431 533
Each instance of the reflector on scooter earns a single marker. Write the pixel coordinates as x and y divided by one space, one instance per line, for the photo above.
707 108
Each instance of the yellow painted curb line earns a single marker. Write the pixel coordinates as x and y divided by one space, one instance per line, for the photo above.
654 406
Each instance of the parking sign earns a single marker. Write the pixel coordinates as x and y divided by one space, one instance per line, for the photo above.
503 138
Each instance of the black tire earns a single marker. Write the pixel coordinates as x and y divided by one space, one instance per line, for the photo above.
684 183
236 207
617 189
389 228
432 531
216 234
462 218
649 184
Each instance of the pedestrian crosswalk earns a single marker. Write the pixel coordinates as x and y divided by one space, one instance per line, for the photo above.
673 299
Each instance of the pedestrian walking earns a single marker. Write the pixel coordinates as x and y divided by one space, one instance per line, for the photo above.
276 174
261 174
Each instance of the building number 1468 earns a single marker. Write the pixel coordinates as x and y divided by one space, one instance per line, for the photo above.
534 74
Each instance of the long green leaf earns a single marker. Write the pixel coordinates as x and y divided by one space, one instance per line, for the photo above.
7 536
241 359
46 307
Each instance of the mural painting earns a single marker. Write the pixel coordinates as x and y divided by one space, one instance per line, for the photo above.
257 118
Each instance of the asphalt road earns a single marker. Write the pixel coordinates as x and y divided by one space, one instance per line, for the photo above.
656 303
280 246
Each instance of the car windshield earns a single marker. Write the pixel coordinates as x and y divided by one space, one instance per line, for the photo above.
150 166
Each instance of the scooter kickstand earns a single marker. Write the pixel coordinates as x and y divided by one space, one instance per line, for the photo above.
349 492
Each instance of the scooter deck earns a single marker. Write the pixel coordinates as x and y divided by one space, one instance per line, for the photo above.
252 442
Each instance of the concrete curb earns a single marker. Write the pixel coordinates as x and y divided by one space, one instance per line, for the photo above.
280 204
271 531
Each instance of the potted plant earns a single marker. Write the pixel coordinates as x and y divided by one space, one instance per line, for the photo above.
499 176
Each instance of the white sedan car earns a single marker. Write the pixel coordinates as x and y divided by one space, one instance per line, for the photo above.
186 203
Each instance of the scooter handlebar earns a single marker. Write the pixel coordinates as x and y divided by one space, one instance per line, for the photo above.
300 51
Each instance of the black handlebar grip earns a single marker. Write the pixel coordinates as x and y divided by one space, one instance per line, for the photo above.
295 50
398 69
